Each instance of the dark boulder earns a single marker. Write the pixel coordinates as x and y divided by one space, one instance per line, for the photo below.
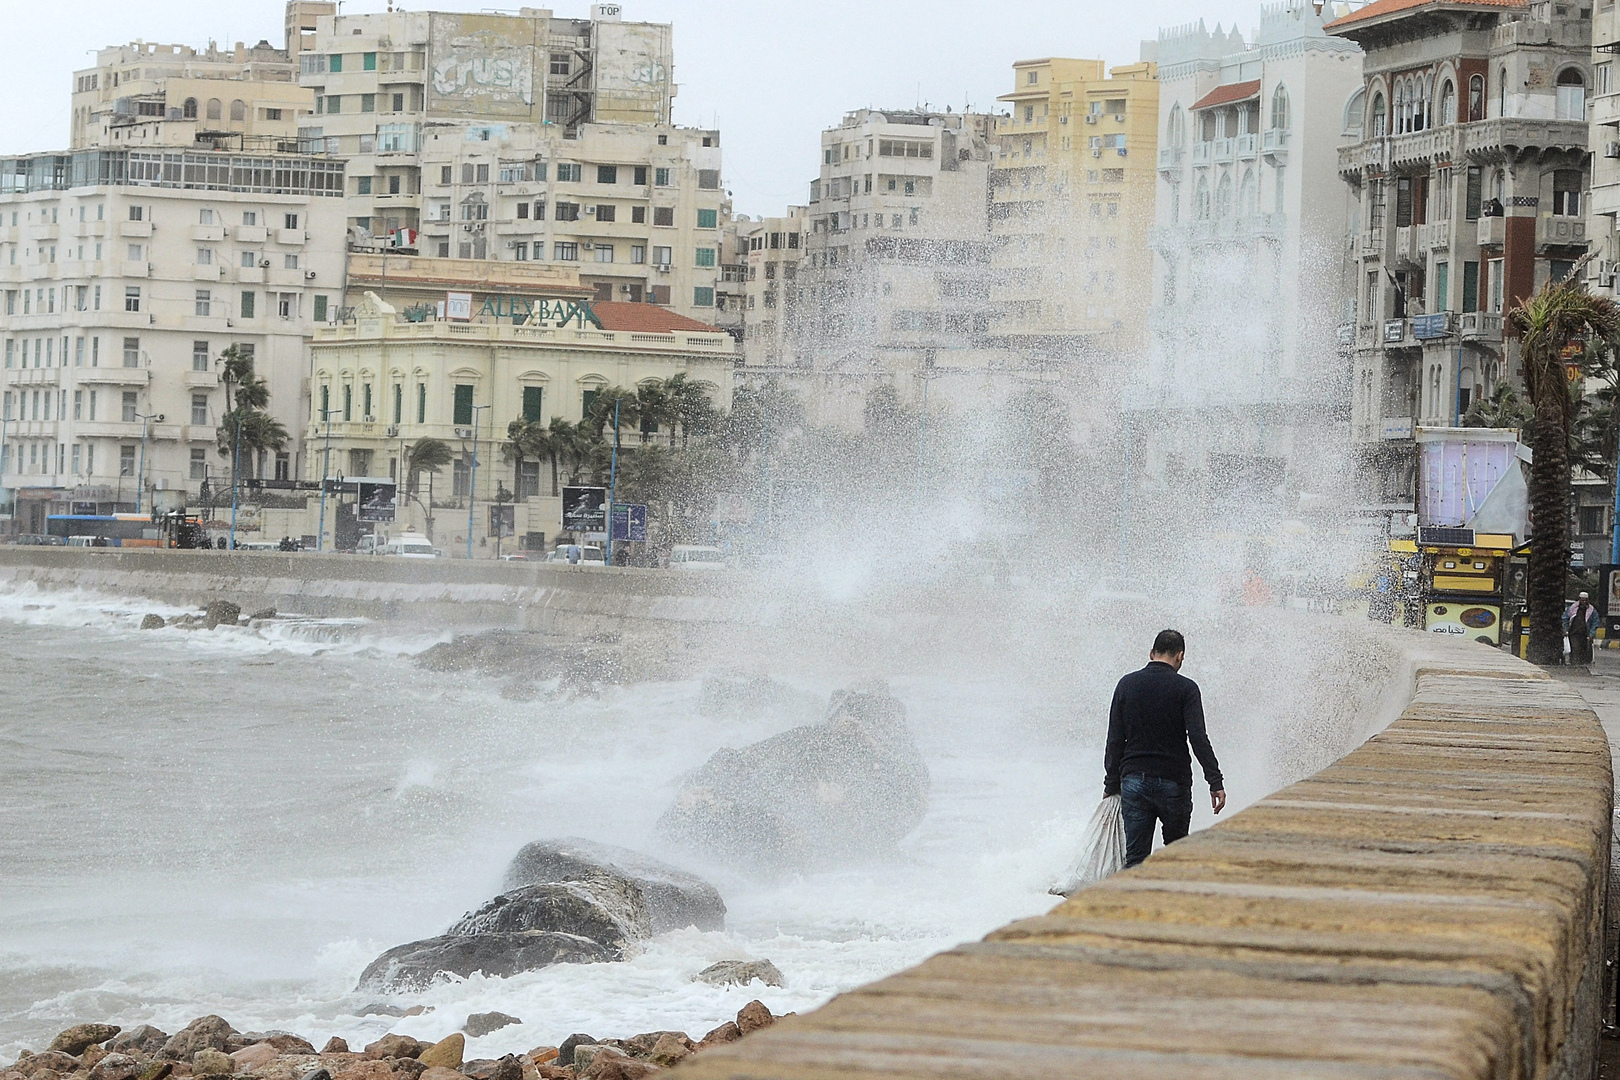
416 965
849 786
481 1024
203 1033
565 1052
599 909
221 613
81 1037
146 1040
672 899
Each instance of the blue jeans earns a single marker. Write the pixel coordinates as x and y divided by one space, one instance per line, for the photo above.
1144 799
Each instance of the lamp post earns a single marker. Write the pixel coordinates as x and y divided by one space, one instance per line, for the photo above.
140 473
472 481
613 483
326 468
236 472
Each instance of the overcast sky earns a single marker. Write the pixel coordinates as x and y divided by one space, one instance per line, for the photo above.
770 74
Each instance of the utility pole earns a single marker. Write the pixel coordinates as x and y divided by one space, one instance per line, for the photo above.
472 481
236 472
326 469
613 482
140 474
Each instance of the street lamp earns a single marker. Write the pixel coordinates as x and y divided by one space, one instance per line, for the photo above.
472 481
326 468
140 475
236 472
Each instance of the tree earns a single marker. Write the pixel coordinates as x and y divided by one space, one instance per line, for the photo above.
688 406
1561 314
552 442
653 408
614 404
246 426
1502 409
427 456
518 448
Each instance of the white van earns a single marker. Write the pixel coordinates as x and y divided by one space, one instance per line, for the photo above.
696 557
410 546
588 556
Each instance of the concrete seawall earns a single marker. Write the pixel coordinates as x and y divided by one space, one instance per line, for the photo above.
1429 906
437 592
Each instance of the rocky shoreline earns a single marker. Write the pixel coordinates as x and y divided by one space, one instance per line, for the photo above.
209 1047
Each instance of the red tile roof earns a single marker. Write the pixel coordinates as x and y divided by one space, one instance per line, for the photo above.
645 319
1391 7
1225 95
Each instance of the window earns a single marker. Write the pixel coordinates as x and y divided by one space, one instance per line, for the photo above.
483 172
1501 93
638 253
1591 520
126 461
1448 103
520 251
566 211
640 176
607 174
663 256
661 177
129 412
604 253
565 251
334 103
334 62
215 109
238 111
703 296
1603 78
136 253
135 214
1494 276
464 405
523 211
247 305
704 257
568 172
1567 193
132 298
362 185
606 213
348 401
421 403
708 219
1474 197
199 463
1476 97
1442 286
397 103
132 352
204 301
199 409
199 355
368 61
1376 116
289 261
533 397
1571 92
287 305
188 111
709 179
560 63
664 216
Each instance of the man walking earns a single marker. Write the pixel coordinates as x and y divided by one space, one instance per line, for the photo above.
1156 712
1580 623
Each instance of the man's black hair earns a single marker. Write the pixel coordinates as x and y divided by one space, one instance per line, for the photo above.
1168 643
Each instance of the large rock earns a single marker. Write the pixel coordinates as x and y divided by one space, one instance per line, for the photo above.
849 786
81 1037
447 1052
740 973
145 1039
221 613
203 1033
672 899
415 966
600 909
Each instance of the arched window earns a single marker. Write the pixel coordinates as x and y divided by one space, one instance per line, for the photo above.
1501 93
238 111
1476 97
214 108
1279 108
189 109
1399 98
1223 197
1448 103
1248 195
1201 200
1176 132
1571 95
1355 113
1375 116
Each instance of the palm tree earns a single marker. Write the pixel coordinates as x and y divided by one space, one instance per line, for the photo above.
689 406
1502 409
1547 324
516 449
653 406
427 456
614 404
552 442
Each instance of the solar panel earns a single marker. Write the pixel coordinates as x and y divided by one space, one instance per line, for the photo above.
1444 536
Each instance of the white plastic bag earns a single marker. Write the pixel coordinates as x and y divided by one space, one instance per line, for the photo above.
1103 853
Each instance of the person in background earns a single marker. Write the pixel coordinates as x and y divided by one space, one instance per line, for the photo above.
1156 713
1580 623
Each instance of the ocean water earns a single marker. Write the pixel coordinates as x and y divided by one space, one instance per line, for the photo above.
238 821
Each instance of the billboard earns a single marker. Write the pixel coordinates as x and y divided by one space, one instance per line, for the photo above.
502 520
630 522
584 509
633 65
1474 622
481 66
376 500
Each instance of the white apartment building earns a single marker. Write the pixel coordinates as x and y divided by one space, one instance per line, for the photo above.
124 274
149 94
1246 381
636 209
897 251
382 80
770 286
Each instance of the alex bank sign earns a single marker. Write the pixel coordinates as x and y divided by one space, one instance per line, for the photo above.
459 306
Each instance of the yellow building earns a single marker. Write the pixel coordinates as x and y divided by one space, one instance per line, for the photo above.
1072 189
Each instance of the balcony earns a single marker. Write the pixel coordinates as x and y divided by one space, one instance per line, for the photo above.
207 272
208 234
290 237
33 376
1274 144
1372 243
1515 136
1492 231
135 228
1202 153
1248 146
199 379
1225 150
123 376
1406 249
1435 236
251 234
1480 326
136 269
1554 231
1169 158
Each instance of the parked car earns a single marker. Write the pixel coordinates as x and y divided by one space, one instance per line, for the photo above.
411 546
588 556
696 557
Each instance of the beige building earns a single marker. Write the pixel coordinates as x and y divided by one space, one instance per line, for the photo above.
382 80
147 94
897 259
125 274
382 382
1072 193
770 287
635 211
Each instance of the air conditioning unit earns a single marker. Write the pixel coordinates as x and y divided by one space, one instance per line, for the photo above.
1119 116
391 431
309 275
1121 151
1611 150
588 246
1096 153
1091 118
368 419
464 432
662 268
264 264
1063 119
590 211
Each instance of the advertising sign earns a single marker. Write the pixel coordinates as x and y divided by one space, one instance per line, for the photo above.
502 520
630 522
1475 622
584 509
376 500
458 305
480 65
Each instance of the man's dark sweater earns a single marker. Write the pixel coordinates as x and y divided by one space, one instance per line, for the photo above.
1156 712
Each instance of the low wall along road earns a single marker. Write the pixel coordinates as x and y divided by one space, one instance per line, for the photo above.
1429 906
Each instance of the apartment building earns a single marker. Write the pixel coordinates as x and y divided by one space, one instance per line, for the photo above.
1604 236
382 382
148 94
1072 195
381 81
897 261
125 274
1245 384
637 211
1466 163
772 250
